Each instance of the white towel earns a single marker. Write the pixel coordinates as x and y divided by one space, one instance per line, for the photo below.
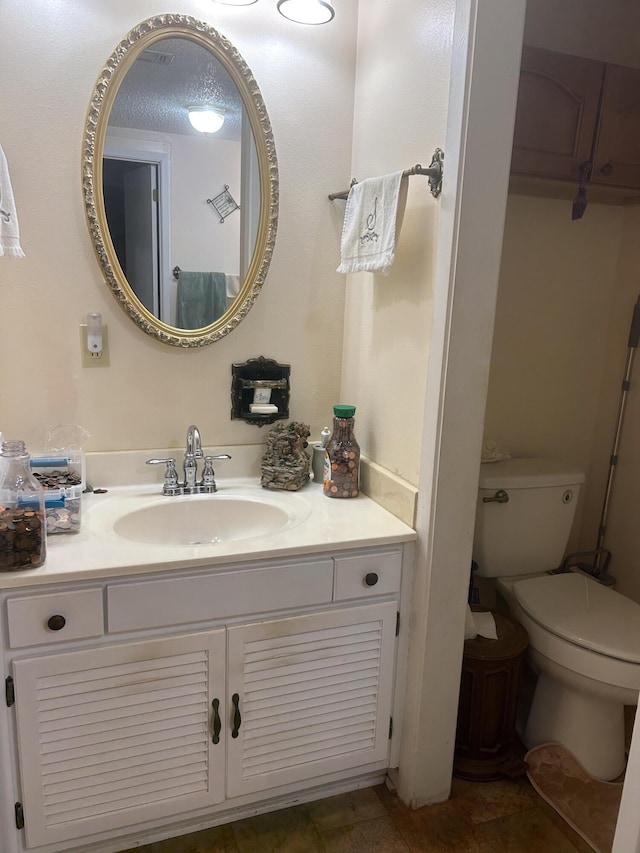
9 232
233 285
494 452
369 232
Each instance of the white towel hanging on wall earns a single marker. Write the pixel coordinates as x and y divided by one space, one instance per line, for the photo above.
369 231
9 231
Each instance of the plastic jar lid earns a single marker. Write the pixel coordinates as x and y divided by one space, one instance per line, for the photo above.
344 411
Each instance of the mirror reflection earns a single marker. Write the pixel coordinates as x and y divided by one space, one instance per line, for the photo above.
175 201
180 180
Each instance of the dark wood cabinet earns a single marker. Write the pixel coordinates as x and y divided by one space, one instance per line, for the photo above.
573 111
556 115
616 160
486 741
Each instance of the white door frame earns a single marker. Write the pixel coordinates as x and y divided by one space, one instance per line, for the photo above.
483 93
482 104
627 837
131 147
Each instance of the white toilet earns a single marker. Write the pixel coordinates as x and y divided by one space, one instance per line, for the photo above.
584 638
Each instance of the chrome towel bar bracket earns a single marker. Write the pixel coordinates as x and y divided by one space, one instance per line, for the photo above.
433 172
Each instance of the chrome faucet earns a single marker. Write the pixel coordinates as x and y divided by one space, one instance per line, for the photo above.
192 453
191 485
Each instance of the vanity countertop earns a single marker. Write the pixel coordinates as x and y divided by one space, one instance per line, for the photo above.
319 524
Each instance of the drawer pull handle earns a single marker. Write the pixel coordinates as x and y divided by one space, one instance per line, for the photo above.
217 725
56 623
237 719
371 579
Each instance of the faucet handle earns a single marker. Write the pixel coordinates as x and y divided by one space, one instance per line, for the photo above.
208 474
170 486
167 462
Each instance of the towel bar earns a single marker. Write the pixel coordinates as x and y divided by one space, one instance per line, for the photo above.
433 172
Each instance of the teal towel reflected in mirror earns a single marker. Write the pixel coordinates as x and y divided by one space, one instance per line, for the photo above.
202 298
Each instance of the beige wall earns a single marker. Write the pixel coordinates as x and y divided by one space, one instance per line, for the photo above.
565 301
400 117
554 303
623 532
50 56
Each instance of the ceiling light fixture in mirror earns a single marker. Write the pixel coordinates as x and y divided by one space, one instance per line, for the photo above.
184 274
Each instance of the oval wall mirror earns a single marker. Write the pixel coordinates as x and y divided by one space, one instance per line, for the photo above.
183 215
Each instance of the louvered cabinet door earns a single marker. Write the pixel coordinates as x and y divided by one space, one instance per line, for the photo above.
119 735
313 694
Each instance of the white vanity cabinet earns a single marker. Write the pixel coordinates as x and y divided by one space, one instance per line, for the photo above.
119 734
315 695
195 693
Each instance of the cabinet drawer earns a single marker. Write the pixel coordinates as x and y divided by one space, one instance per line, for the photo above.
37 619
201 598
367 574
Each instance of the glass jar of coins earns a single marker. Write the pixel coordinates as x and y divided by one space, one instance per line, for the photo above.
22 513
342 456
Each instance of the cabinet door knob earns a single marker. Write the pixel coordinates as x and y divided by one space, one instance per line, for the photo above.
237 719
371 579
217 725
607 169
56 623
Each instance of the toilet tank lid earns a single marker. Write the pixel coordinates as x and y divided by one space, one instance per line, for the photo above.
528 473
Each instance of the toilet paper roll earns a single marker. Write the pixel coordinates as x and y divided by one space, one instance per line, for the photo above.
479 624
485 625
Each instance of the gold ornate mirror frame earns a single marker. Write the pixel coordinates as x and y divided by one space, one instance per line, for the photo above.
139 39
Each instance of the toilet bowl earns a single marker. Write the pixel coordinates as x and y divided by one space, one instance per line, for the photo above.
584 638
584 645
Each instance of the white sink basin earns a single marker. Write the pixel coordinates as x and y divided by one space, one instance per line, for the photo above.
187 520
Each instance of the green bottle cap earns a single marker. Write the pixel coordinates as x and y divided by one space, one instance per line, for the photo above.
344 411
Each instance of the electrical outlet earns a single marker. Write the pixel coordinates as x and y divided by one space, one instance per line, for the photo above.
88 359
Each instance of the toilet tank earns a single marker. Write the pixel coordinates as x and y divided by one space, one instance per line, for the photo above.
529 532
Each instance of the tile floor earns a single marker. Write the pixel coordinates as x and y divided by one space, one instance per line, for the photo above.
480 817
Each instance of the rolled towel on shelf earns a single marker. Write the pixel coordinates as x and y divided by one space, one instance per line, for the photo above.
494 452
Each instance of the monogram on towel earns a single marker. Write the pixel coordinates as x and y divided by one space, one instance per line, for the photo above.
369 231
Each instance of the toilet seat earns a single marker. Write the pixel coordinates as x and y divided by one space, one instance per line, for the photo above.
583 612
